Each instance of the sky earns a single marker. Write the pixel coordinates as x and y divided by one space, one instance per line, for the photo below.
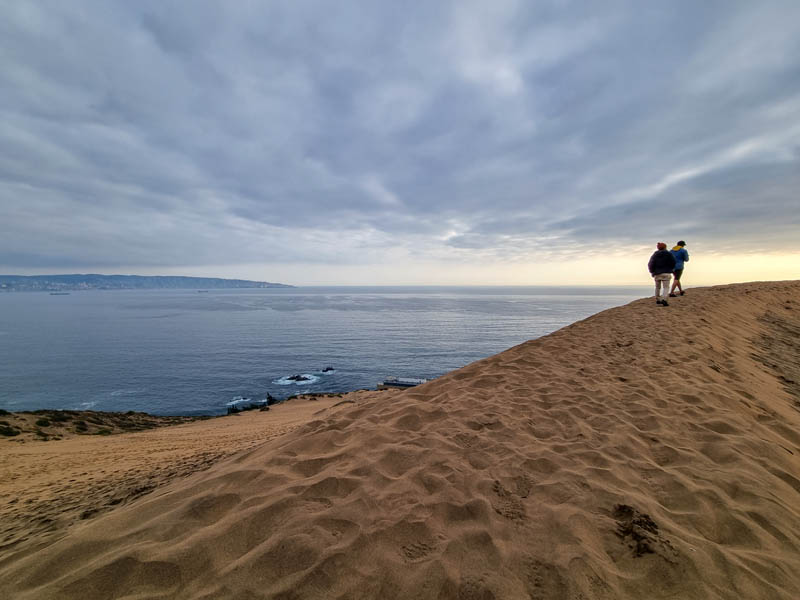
395 143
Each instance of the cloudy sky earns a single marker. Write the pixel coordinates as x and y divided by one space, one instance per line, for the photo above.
491 142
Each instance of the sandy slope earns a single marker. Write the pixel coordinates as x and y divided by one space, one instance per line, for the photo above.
645 452
46 487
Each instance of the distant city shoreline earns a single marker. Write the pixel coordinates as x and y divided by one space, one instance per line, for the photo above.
75 282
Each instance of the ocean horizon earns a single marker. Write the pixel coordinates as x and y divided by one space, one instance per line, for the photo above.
180 352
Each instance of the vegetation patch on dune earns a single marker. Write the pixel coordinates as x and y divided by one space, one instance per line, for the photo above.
45 425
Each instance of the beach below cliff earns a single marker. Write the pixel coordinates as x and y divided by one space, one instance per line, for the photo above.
644 452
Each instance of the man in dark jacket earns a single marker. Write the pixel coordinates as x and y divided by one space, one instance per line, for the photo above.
661 266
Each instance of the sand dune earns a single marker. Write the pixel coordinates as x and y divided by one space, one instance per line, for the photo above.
47 487
645 452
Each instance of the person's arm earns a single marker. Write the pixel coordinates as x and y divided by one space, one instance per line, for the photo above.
650 264
685 255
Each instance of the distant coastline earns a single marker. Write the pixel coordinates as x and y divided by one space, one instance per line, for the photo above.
74 282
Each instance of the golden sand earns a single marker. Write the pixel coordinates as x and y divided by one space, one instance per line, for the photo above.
645 452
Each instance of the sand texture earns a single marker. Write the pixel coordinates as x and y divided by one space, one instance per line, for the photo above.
645 452
47 487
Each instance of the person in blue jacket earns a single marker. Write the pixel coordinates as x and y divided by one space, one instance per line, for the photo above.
681 256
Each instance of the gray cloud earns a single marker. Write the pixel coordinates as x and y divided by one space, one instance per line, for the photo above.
156 134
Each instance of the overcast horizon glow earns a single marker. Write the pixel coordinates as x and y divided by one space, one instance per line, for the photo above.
400 143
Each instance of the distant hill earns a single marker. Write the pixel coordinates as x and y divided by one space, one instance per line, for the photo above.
59 283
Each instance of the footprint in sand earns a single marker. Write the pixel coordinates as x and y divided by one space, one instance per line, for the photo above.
416 551
507 503
544 581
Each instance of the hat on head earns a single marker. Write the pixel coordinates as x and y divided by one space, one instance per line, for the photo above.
681 243
661 246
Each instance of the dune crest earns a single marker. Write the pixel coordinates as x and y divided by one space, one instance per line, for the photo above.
644 452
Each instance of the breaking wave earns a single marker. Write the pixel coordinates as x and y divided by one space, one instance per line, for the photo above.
299 379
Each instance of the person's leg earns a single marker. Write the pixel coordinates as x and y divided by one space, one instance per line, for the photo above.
661 294
657 281
676 277
676 283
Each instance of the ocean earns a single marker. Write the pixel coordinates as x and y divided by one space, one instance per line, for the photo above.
184 352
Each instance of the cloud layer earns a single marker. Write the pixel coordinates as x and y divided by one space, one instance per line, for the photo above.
180 134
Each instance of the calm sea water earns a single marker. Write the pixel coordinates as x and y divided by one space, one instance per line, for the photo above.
185 352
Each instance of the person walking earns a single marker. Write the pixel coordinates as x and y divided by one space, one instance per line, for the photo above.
681 256
661 266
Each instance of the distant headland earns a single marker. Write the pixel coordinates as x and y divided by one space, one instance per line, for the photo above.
60 283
